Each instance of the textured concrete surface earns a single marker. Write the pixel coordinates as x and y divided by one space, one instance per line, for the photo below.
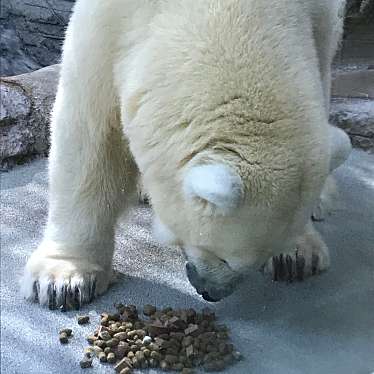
324 325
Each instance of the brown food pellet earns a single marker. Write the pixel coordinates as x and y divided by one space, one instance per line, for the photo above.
123 364
105 335
107 350
85 363
82 320
112 342
91 339
120 336
149 310
68 332
63 338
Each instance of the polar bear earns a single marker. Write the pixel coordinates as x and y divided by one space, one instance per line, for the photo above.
222 106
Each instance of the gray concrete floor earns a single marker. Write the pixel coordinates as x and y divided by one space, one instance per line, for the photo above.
324 325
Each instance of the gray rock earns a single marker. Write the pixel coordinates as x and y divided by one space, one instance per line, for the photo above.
32 32
356 117
26 102
361 7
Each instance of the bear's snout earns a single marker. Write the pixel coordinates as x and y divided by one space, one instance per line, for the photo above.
209 289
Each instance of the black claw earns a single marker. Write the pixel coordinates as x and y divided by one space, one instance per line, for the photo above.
300 267
207 297
282 268
69 298
289 263
315 262
275 268
76 298
64 292
35 291
51 296
92 290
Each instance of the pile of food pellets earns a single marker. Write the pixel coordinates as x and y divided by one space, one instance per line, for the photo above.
172 340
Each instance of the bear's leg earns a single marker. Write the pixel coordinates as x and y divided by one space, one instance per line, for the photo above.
91 180
92 176
310 257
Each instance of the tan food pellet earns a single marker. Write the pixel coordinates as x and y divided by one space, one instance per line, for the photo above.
111 358
131 355
112 342
126 371
140 356
105 335
100 343
107 350
120 336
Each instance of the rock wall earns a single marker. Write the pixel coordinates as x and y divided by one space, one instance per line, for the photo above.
32 32
25 106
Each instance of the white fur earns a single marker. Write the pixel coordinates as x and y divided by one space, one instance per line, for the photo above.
156 84
162 233
340 147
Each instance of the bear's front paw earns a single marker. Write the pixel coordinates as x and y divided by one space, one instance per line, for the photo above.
61 280
310 257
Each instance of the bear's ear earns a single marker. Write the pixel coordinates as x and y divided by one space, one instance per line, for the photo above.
217 184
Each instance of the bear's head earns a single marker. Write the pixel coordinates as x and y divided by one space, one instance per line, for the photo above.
231 207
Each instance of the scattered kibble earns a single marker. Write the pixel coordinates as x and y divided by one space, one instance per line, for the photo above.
63 338
85 363
111 358
83 320
68 332
149 310
168 339
126 371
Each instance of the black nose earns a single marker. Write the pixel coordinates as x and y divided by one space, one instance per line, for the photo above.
204 287
209 298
